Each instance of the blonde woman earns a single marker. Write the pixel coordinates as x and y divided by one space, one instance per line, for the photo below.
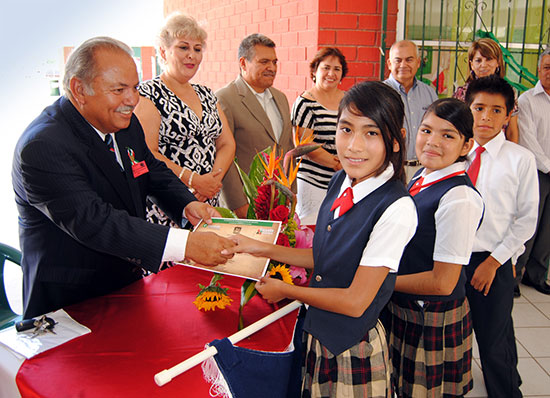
183 123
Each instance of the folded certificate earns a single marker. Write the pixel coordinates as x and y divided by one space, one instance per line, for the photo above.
242 264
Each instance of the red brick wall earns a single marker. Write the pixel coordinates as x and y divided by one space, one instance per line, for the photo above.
355 27
298 27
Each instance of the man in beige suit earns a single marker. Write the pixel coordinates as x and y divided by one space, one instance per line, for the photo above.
257 113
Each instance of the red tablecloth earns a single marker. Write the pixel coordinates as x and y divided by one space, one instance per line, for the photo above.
144 328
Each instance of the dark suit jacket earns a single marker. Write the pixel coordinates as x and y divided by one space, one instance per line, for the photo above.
82 227
252 130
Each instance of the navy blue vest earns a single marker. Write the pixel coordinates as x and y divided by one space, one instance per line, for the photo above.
418 255
337 249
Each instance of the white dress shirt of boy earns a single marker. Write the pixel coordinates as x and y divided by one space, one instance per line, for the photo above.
508 183
393 230
456 218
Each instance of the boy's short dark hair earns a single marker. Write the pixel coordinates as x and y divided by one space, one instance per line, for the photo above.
491 85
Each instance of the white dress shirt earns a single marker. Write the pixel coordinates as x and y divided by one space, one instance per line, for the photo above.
508 183
394 229
534 124
176 241
270 107
456 218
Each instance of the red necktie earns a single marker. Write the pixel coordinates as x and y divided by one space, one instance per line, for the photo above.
473 170
416 187
345 201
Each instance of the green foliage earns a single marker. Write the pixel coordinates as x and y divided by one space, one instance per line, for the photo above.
226 213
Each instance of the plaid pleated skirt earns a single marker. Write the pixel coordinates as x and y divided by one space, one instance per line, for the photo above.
362 371
430 348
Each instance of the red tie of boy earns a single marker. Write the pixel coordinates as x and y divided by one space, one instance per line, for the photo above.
345 202
473 170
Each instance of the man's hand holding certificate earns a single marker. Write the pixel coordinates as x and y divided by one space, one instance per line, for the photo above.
242 265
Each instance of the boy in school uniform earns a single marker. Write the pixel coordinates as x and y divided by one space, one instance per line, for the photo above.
506 176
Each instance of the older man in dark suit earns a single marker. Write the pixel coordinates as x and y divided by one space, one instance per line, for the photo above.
81 174
257 114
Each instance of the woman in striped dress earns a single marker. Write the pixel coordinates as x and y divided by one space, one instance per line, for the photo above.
317 109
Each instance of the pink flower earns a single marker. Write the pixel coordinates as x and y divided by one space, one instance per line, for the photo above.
304 237
299 275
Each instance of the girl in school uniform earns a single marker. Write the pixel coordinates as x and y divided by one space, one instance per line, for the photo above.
429 326
364 223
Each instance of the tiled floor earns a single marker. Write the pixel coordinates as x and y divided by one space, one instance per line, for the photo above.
532 325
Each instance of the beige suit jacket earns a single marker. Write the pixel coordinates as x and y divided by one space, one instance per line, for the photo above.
252 130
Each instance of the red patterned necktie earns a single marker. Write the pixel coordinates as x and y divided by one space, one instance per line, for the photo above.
345 202
416 187
473 170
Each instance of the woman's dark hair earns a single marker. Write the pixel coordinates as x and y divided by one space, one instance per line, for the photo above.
455 112
383 105
325 53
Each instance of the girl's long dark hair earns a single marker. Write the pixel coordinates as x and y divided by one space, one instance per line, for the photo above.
383 105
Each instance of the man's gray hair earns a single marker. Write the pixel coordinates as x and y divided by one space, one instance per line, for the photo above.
402 43
542 54
246 48
81 63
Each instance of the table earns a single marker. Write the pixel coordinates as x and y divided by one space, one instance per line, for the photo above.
140 330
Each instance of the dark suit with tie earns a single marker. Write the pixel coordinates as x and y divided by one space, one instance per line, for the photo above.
252 130
82 227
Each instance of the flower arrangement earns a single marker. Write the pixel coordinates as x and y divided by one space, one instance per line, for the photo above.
267 187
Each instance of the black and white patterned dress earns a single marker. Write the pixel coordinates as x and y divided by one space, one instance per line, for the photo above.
313 178
184 138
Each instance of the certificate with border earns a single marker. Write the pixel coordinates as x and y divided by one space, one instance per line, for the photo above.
243 265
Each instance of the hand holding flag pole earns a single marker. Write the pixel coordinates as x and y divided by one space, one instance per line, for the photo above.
167 375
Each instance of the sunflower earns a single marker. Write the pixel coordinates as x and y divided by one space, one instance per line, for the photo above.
281 272
210 299
212 296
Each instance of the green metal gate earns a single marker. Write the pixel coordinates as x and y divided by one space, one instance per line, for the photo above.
444 29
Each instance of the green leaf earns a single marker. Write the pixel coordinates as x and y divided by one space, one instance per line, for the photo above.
248 186
251 214
248 290
226 213
257 171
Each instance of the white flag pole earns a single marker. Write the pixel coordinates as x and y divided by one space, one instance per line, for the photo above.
167 375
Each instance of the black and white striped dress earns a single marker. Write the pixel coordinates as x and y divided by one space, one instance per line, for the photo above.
313 178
